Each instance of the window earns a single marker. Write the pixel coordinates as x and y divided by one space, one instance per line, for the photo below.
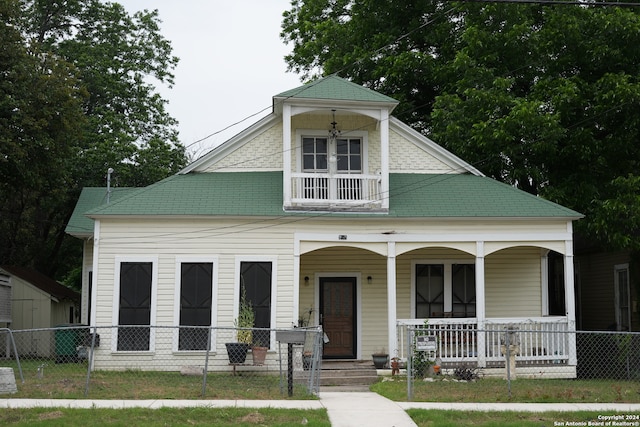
429 290
349 152
622 305
445 289
134 306
463 290
314 154
196 284
255 279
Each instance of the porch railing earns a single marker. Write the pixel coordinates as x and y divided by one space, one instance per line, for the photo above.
324 189
543 340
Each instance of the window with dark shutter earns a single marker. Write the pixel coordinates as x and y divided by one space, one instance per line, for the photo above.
135 306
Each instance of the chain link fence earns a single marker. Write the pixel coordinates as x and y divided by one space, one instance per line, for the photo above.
151 362
508 352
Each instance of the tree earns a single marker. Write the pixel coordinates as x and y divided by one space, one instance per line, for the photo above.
117 55
76 99
541 97
41 122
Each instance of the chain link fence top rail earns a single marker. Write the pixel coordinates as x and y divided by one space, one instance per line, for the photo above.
161 362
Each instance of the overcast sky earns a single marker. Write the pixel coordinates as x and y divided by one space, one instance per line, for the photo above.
231 63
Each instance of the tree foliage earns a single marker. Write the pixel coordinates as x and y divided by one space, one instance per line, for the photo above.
76 97
542 97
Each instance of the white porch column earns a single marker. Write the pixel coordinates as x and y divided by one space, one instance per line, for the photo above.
384 145
286 153
391 299
480 305
296 289
570 304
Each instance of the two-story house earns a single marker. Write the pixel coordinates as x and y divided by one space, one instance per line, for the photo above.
329 206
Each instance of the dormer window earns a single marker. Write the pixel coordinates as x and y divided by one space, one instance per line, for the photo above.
349 153
314 154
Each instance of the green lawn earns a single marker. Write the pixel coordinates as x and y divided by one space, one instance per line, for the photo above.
69 381
227 417
501 419
522 390
220 417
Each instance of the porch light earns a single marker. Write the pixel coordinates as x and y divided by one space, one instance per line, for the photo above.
369 279
333 130
306 280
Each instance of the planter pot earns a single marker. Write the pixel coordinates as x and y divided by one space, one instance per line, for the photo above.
259 355
237 352
380 360
307 361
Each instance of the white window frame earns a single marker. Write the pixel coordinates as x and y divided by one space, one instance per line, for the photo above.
116 299
274 291
214 297
331 150
448 280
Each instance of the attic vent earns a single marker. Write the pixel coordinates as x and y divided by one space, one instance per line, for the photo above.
5 299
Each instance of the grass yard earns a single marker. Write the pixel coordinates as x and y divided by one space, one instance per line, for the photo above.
220 417
502 419
522 390
68 381
227 417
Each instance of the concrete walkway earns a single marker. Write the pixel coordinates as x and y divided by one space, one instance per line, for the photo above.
356 409
345 409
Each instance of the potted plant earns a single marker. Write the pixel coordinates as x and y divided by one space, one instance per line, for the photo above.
259 349
237 351
380 358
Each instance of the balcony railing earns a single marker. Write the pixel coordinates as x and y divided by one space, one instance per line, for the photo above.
323 189
545 340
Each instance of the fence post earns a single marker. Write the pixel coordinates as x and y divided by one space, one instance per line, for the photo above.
90 361
409 364
206 362
15 351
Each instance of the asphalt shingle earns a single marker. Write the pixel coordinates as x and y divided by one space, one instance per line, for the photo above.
260 194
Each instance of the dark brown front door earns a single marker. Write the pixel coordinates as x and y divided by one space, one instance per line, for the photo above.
338 316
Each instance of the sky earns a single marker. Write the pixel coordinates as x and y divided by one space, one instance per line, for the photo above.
231 64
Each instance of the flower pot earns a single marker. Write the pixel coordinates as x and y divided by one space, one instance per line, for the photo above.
307 361
259 355
237 352
436 369
380 360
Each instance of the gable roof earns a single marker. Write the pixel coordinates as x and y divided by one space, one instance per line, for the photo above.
42 282
335 88
260 194
79 224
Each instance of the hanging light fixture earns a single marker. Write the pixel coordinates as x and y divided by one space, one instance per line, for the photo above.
333 130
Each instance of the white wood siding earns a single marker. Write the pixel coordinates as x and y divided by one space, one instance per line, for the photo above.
513 275
373 297
408 158
263 152
513 280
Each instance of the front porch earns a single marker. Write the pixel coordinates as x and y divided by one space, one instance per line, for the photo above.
546 346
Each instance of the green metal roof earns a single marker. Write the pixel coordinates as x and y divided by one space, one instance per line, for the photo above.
336 88
260 194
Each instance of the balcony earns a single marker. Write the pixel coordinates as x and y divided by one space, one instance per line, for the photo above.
324 190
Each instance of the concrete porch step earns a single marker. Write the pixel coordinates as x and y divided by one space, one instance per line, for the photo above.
344 373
